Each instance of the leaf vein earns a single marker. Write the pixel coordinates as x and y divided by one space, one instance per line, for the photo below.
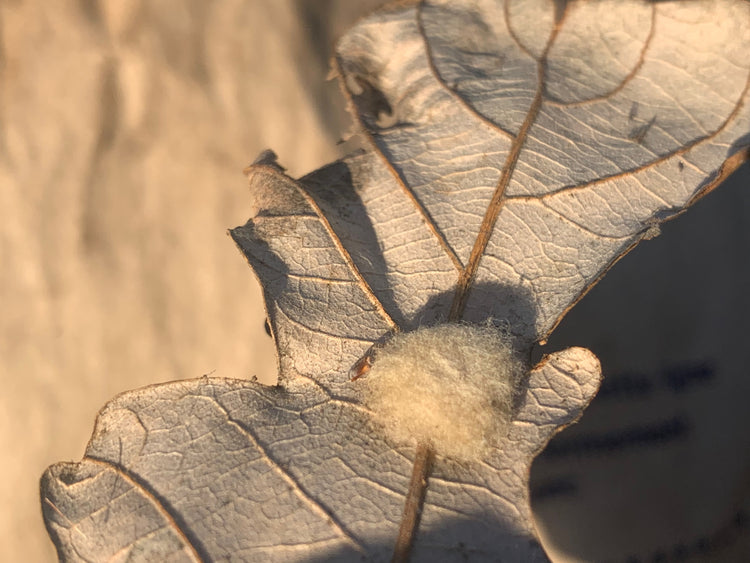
314 505
190 540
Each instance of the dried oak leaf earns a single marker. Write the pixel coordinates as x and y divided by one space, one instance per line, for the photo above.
517 150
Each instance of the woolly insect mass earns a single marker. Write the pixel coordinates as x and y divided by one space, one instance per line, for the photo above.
451 386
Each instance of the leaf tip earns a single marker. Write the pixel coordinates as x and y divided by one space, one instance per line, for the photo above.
265 158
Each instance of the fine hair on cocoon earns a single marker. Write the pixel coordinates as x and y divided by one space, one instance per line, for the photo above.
451 386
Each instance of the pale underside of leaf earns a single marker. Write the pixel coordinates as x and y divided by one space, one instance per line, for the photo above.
517 151
541 162
233 468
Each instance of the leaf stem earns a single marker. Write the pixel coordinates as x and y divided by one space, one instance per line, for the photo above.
414 502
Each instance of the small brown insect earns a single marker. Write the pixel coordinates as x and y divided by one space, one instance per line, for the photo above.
362 366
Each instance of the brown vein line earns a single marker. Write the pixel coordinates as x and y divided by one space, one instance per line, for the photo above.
190 540
385 490
626 79
496 203
367 480
320 279
452 92
284 475
294 321
400 181
270 217
552 195
330 398
693 167
285 547
582 226
340 247
481 489
414 502
314 382
344 403
59 512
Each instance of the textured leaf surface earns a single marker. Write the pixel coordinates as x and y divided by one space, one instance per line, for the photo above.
517 151
217 468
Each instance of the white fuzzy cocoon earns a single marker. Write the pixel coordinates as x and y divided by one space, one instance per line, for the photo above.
450 385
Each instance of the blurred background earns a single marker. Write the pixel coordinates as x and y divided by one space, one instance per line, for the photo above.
124 128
